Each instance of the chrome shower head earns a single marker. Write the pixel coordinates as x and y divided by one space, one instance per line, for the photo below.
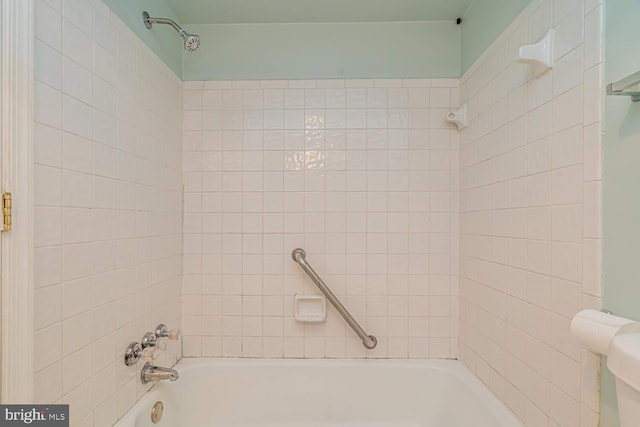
191 41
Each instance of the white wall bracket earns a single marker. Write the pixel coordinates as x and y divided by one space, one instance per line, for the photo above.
539 55
459 117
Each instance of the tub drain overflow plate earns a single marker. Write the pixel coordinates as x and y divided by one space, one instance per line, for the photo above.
156 412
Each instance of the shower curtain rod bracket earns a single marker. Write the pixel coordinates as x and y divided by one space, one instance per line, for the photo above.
629 86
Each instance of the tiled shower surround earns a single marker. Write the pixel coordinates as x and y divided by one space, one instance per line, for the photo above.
530 222
108 207
162 201
362 174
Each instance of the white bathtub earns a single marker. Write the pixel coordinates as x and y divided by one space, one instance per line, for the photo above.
321 393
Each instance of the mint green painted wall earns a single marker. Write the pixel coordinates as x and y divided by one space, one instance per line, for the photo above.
325 51
621 145
288 11
410 49
482 23
162 39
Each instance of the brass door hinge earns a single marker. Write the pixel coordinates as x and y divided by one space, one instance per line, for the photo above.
6 211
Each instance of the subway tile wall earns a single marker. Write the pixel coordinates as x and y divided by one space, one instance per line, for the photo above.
530 216
362 174
108 202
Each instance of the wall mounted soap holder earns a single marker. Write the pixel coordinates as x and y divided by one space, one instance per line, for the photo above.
310 308
539 55
459 117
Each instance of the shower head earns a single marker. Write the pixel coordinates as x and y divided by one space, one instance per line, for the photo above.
191 41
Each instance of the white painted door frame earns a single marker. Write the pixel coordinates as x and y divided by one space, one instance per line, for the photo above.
16 77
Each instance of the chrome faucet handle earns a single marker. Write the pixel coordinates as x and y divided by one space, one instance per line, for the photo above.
149 340
162 331
146 350
151 347
132 354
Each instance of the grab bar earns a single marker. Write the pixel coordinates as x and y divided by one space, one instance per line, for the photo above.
299 256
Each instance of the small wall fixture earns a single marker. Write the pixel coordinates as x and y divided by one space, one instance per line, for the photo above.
310 309
538 55
459 117
629 86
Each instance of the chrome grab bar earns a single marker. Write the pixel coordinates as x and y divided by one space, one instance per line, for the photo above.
299 256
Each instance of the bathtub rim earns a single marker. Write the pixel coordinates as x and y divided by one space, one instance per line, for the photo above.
451 366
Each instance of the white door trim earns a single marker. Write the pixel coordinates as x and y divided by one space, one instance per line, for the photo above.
17 58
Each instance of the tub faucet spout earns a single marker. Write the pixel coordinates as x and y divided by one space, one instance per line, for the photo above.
151 373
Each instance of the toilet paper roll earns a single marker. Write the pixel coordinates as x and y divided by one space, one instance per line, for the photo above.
594 329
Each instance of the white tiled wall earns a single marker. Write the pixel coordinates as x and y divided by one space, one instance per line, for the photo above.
362 174
108 206
530 216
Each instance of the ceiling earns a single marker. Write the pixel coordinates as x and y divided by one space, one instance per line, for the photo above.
281 11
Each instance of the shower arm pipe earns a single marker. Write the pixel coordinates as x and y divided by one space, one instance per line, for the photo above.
150 20
300 256
191 41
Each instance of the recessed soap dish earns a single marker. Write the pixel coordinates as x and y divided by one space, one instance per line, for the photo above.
310 308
